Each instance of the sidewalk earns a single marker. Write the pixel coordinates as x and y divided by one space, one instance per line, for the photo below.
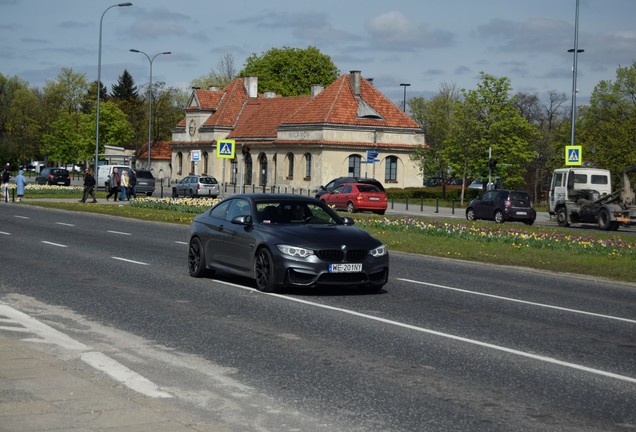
39 391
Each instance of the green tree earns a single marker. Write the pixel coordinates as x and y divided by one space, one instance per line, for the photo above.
607 127
291 71
434 116
126 96
114 129
488 119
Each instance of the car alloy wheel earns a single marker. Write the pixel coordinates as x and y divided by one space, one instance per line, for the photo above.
499 217
350 207
196 258
264 270
470 214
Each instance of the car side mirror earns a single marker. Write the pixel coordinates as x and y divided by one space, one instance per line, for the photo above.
242 220
348 221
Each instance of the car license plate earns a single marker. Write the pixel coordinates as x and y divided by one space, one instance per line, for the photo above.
374 199
522 213
345 268
61 183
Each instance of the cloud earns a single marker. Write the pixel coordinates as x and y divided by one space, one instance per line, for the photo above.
536 35
395 31
148 29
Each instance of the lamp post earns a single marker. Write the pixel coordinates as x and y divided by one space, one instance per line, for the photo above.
576 51
150 59
99 85
405 85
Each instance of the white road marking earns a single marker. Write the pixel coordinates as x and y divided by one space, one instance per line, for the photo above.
54 244
119 232
21 217
521 301
446 335
130 261
65 224
95 359
4 233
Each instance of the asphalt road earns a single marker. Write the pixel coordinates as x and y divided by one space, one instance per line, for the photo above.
448 345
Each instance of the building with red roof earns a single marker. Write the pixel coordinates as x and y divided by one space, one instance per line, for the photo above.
295 143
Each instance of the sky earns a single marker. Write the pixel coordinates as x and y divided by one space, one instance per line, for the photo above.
426 44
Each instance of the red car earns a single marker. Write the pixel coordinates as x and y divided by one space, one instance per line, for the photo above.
355 197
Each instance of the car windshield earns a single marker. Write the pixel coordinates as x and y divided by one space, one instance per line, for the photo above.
207 180
295 212
144 174
368 188
519 196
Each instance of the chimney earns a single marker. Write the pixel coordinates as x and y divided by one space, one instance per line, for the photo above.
213 88
251 86
354 81
370 80
269 95
316 89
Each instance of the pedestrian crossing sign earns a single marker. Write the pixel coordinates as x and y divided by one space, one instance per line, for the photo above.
225 149
573 155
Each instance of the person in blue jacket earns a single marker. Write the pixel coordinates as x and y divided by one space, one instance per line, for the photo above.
20 185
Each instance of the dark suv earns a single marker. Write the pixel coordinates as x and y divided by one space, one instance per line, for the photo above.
502 205
341 180
53 176
145 182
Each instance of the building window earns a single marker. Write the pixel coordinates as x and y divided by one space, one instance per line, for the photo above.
290 166
354 165
233 171
307 166
390 172
206 161
179 163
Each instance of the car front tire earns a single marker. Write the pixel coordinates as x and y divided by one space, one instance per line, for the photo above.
470 214
264 270
196 259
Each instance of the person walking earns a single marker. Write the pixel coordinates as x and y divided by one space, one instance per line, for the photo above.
6 176
114 183
89 186
132 183
20 185
125 184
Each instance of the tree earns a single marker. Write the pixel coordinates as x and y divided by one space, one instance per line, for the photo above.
549 119
488 119
114 129
434 117
291 71
225 72
126 96
125 88
607 127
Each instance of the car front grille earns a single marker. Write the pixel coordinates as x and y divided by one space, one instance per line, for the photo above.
335 255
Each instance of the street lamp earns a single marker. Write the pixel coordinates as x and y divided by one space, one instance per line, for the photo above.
405 85
99 85
150 59
575 51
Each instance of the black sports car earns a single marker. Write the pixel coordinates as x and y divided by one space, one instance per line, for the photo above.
285 241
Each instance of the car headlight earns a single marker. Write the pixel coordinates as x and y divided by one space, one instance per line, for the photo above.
295 251
378 252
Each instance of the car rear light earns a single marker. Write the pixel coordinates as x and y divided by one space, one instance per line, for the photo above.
359 197
51 176
198 186
508 203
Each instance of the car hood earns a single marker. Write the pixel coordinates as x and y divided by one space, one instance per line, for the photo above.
321 236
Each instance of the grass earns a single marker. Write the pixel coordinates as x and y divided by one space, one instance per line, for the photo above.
595 253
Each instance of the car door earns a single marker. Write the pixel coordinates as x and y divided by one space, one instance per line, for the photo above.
237 245
335 197
485 208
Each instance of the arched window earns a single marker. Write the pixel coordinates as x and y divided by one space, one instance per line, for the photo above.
354 165
307 166
206 161
390 170
290 166
179 163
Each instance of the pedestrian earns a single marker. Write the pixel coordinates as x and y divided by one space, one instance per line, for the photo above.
125 183
114 183
20 185
6 176
132 183
89 186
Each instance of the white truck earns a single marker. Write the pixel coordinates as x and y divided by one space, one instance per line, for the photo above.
584 195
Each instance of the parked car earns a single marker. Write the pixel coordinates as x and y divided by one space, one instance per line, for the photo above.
285 241
145 182
196 186
53 176
355 197
502 205
341 180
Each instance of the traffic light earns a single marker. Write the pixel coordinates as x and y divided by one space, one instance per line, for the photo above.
492 163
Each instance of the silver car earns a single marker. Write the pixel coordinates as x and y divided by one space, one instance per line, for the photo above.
196 186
